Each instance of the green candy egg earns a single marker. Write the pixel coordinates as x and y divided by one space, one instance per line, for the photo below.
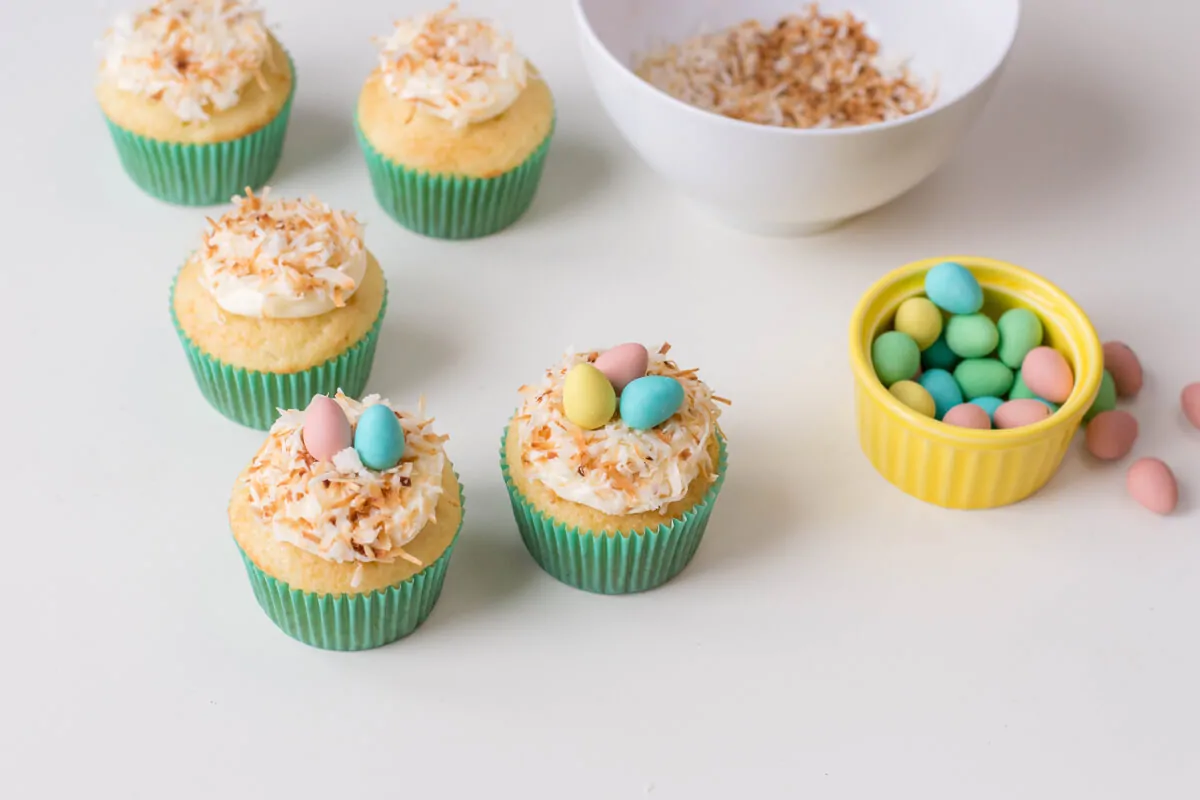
895 356
1020 331
939 356
971 335
1106 398
983 377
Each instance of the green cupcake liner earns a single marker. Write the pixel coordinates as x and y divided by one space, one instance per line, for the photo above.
203 174
453 206
603 563
352 621
254 398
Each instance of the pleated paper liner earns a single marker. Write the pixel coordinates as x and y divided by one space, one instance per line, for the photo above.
605 563
254 398
453 206
353 621
204 174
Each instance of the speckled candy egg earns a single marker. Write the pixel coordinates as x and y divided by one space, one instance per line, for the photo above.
1047 374
1106 397
1125 367
953 288
378 438
589 399
1019 413
1111 434
622 364
1190 400
943 388
939 356
1152 484
1020 331
988 404
983 377
920 319
968 415
915 396
895 356
326 431
650 401
972 335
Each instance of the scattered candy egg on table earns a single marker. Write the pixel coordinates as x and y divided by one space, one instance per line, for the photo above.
953 288
939 356
895 356
1190 400
1019 413
1152 484
943 389
650 401
1125 367
589 399
988 404
378 438
1047 374
920 319
325 431
983 377
623 364
972 335
915 396
1020 331
968 415
1111 434
1106 397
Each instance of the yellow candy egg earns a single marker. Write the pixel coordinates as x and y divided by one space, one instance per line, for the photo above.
915 396
589 400
920 319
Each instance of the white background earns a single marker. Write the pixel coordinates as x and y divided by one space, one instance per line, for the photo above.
832 639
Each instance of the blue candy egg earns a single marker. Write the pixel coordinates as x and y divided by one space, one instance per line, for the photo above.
953 288
378 438
650 401
988 404
939 356
943 388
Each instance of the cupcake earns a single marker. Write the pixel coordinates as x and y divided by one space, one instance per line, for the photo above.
613 464
281 301
345 520
197 95
455 125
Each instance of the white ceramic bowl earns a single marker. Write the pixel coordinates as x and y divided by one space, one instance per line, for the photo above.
790 181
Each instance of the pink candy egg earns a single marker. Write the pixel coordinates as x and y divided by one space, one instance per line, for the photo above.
1190 399
1019 413
1123 364
968 415
1111 434
1151 483
326 430
623 364
1047 374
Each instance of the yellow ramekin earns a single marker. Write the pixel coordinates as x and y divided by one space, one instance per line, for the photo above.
958 467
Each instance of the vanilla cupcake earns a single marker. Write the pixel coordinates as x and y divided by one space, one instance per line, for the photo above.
455 125
345 520
613 464
281 301
197 95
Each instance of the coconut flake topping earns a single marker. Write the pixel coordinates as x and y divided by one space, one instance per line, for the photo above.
282 258
616 469
192 55
460 69
339 509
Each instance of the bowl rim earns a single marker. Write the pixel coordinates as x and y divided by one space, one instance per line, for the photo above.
1084 392
629 75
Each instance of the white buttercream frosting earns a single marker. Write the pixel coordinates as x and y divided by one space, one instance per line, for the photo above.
282 258
339 509
617 469
194 56
460 69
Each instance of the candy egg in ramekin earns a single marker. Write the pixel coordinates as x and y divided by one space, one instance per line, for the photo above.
957 467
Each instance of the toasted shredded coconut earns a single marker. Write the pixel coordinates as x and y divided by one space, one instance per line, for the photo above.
194 56
460 69
616 469
340 510
807 71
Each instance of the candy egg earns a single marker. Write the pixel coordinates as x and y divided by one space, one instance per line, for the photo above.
650 401
944 390
1190 400
972 335
326 430
915 396
983 377
968 415
1020 331
895 356
952 287
1106 397
920 319
1152 484
622 364
1047 374
939 356
378 438
1125 367
589 400
1019 413
988 404
1111 434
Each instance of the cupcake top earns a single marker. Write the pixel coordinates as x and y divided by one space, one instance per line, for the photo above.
282 258
460 69
194 56
330 503
639 461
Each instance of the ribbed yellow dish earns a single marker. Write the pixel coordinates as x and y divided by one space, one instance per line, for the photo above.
957 467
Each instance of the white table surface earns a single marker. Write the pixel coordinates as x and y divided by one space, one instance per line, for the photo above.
832 639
